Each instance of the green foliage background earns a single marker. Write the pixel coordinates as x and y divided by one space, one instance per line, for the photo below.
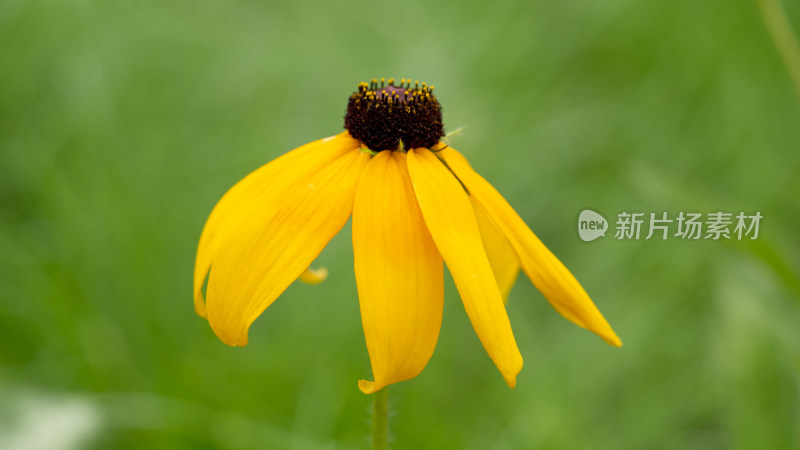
122 123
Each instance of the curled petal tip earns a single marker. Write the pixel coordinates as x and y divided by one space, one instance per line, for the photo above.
229 337
200 306
511 377
314 276
201 312
239 343
369 387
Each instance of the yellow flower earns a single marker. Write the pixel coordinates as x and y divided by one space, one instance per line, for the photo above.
415 202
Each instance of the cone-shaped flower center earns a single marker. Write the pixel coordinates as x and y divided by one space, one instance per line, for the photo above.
388 117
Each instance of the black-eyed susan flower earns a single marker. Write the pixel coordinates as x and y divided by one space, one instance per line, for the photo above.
415 203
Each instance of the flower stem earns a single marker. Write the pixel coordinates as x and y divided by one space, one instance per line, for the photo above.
380 418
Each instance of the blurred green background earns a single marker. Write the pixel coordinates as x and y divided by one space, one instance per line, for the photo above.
122 123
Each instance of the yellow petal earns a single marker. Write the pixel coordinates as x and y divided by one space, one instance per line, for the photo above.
449 217
549 275
253 194
398 271
314 276
502 257
267 252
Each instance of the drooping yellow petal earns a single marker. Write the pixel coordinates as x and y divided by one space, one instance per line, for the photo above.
314 276
449 217
399 273
502 257
267 252
254 195
549 275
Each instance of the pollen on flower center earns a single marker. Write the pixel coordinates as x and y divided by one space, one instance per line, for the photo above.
388 117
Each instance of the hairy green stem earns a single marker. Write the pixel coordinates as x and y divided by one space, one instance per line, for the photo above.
380 418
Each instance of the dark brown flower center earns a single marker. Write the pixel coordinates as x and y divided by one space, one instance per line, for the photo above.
388 117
